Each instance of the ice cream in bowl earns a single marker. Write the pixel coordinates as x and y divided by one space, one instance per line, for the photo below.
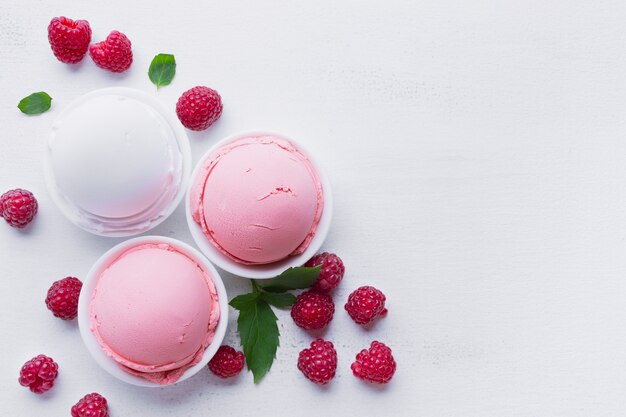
152 311
258 204
117 162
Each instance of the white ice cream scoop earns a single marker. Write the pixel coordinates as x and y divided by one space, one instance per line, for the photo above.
117 162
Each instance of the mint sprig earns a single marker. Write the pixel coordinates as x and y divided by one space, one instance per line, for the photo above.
257 323
162 69
36 103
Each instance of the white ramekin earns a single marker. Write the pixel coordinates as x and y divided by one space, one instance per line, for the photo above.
89 284
273 269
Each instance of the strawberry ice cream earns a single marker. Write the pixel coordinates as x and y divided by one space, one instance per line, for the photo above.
154 310
258 199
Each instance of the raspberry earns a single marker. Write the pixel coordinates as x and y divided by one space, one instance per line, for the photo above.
319 362
91 405
374 365
62 298
18 207
69 39
39 374
331 272
227 362
365 304
199 108
313 310
113 54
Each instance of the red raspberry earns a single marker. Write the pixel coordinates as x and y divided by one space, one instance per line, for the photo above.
374 365
62 298
313 310
227 362
319 362
18 207
69 39
91 405
113 54
331 272
39 374
365 304
199 108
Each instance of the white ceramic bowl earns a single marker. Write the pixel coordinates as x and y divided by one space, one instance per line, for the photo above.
89 284
273 269
147 217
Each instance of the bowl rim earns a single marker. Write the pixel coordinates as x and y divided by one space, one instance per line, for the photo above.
182 141
271 270
91 343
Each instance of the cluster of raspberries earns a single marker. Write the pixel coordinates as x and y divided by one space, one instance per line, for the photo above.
70 39
314 309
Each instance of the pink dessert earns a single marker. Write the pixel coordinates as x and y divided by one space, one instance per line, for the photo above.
154 310
258 199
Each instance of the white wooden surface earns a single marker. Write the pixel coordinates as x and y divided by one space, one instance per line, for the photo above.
478 156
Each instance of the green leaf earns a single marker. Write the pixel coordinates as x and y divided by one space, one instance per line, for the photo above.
293 278
279 300
259 337
162 69
244 301
36 103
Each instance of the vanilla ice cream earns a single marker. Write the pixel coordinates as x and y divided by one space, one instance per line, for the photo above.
116 163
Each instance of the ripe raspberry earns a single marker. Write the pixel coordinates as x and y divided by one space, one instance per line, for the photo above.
374 365
313 310
113 54
227 362
69 39
62 298
39 374
365 304
18 207
199 108
91 405
319 362
331 272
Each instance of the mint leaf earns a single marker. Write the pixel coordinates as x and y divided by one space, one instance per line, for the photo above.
256 323
293 278
279 300
36 103
259 337
162 69
244 301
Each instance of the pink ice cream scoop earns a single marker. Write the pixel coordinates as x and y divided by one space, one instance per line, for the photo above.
258 199
154 310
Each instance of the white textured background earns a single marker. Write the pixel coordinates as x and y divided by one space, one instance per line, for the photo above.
478 156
